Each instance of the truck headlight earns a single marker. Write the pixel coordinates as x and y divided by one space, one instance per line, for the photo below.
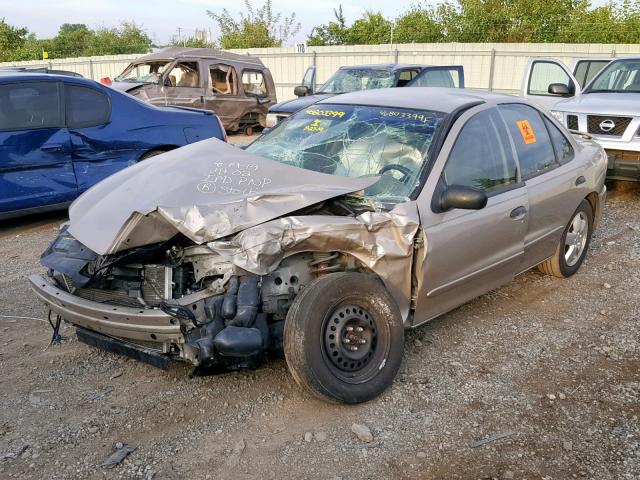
272 120
558 115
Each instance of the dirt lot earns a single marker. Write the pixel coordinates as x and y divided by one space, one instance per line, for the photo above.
552 365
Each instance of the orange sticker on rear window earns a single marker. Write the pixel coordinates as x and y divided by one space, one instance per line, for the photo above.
526 131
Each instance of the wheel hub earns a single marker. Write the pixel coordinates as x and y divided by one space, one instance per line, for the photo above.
576 239
350 338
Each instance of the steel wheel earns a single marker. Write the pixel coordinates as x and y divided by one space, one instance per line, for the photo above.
576 238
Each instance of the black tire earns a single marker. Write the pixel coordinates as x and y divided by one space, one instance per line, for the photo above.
151 153
248 131
557 265
329 306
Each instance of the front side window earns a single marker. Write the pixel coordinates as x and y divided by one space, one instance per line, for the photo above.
184 74
531 139
482 156
405 76
253 83
587 69
86 107
545 73
29 106
354 79
619 76
356 141
223 79
147 72
438 77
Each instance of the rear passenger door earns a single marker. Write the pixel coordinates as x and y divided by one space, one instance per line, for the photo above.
98 150
545 156
470 252
222 94
35 149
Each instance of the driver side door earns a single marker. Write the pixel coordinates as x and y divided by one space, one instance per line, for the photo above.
542 72
183 85
468 252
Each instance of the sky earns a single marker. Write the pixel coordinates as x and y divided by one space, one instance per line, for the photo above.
162 18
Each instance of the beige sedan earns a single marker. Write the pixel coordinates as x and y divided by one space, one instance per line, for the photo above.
327 237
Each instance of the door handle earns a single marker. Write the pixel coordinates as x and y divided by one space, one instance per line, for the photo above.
518 213
580 180
52 147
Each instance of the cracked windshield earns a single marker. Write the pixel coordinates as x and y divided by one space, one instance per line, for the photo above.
357 141
143 72
352 80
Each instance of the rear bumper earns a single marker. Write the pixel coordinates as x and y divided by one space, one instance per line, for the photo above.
148 325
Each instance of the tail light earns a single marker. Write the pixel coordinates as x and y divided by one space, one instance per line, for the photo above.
106 81
224 132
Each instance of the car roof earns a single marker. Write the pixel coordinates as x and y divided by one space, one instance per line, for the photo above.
12 76
444 100
383 66
210 53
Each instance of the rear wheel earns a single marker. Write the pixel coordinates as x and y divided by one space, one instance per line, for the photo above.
573 244
152 153
344 338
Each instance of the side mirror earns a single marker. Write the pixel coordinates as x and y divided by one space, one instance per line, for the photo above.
559 89
301 91
466 198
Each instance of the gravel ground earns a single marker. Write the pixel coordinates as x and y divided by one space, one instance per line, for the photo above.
537 380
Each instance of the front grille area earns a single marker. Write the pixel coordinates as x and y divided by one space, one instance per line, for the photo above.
572 122
620 125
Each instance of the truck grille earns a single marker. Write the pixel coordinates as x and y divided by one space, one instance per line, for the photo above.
572 122
595 124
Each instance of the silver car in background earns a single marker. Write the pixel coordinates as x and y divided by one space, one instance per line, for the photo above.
352 220
607 108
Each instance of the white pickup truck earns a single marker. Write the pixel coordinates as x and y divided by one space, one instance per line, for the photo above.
599 96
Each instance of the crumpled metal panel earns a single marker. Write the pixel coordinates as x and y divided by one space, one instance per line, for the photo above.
206 191
383 241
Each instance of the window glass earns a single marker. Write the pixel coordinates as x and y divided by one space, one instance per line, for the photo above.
353 79
253 83
543 74
587 69
184 74
307 81
86 107
482 156
148 72
406 76
356 141
438 78
619 76
29 105
223 80
562 146
530 137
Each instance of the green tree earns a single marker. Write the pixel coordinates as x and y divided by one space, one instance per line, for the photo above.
418 25
332 33
256 28
191 42
12 42
371 29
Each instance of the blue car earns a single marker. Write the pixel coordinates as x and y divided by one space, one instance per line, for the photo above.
59 135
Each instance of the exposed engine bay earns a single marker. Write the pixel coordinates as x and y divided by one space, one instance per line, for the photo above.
229 318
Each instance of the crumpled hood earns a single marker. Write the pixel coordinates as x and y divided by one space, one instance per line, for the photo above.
206 191
292 106
615 104
125 86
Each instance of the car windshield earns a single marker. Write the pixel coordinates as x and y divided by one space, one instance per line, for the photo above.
354 79
148 72
357 141
621 76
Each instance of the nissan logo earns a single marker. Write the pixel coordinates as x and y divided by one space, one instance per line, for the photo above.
607 125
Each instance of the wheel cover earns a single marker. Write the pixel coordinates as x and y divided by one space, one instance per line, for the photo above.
576 239
350 339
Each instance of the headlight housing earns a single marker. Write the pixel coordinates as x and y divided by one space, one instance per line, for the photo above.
558 115
271 120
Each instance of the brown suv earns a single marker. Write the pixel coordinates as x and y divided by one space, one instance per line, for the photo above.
239 88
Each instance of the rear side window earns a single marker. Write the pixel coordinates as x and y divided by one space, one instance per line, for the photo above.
438 77
561 144
482 156
29 106
86 107
531 139
253 83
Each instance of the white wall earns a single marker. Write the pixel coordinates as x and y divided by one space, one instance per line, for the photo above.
496 66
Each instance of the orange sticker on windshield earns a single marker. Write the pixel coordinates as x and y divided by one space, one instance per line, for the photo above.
526 131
